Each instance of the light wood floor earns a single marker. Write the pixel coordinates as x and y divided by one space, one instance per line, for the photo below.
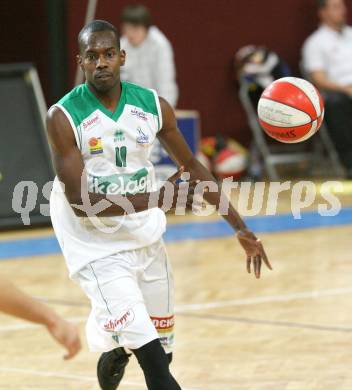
291 330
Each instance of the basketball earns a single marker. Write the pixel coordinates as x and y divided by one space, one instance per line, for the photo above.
291 110
229 163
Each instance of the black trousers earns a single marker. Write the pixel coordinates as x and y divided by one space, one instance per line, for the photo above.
338 114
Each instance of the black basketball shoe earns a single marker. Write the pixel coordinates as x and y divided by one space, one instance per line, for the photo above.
111 367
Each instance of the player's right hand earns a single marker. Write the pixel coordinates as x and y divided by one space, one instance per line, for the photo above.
254 250
67 335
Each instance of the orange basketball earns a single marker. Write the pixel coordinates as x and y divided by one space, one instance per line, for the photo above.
291 110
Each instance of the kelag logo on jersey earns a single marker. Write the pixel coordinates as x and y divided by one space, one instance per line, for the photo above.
120 184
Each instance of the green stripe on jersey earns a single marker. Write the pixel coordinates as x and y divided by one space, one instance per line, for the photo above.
81 102
141 97
76 104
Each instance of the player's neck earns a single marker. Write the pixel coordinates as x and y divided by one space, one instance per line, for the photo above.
109 99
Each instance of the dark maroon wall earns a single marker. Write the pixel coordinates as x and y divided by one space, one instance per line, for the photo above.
205 34
23 31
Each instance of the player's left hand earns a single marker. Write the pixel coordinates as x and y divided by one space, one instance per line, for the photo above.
67 335
254 250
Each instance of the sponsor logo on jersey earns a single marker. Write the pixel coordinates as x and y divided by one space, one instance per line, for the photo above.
142 139
95 145
117 324
90 122
139 114
163 324
120 184
119 136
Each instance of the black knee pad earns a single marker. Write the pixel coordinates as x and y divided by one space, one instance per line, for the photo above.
155 365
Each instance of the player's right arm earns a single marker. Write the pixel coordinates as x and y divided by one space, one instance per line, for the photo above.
69 166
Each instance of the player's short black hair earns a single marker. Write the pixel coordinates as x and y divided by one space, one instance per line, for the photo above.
321 4
136 14
95 26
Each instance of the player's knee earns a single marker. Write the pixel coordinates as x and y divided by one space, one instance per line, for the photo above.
152 356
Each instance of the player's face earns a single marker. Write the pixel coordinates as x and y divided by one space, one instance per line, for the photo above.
335 12
101 60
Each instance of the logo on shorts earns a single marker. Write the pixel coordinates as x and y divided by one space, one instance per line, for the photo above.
117 324
167 341
163 324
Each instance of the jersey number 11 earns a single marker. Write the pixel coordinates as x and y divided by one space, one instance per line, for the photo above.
121 154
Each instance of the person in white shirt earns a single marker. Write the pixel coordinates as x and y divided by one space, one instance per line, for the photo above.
327 61
150 57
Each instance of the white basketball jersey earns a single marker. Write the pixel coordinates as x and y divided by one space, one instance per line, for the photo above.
115 148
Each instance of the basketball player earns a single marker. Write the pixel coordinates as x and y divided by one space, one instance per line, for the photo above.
18 304
101 134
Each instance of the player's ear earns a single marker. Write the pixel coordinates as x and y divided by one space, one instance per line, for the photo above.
122 57
79 60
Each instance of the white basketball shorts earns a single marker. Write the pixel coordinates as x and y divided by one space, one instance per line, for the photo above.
132 299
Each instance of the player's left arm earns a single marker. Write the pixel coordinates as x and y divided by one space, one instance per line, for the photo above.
15 302
172 140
